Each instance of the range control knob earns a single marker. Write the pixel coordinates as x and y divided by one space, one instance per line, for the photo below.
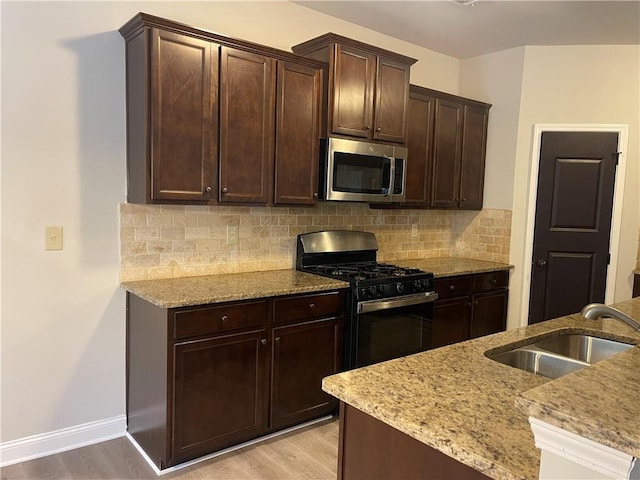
400 287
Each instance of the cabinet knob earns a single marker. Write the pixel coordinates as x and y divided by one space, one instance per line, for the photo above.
457 199
378 129
312 306
367 127
315 194
224 318
452 287
494 281
541 263
225 190
464 199
277 339
208 189
263 341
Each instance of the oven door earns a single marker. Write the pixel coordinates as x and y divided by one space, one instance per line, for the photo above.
391 328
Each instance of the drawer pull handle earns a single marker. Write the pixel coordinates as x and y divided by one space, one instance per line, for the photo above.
312 306
263 341
494 281
224 318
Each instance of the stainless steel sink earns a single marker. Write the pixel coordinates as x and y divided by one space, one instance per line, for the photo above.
558 355
582 347
541 363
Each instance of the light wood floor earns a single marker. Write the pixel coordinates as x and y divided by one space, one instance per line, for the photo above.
309 453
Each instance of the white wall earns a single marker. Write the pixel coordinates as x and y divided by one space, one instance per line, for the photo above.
63 151
497 79
580 85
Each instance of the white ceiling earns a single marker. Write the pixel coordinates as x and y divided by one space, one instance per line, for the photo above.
491 26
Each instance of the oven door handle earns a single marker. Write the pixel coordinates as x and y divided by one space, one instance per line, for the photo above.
396 302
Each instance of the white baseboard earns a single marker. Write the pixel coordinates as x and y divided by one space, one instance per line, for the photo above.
36 446
220 452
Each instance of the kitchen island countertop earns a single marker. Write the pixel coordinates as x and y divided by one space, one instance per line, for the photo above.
475 410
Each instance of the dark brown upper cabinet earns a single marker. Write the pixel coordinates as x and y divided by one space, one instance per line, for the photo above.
368 89
447 147
212 119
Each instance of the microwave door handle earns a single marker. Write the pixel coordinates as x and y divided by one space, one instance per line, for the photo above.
392 174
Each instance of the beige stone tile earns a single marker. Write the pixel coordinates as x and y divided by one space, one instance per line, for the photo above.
336 220
127 261
172 209
184 246
199 209
133 274
185 219
159 246
147 260
133 248
146 233
156 273
172 233
159 220
133 220
194 233
125 208
126 234
146 209
172 259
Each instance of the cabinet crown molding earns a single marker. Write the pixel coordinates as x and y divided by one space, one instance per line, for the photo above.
333 38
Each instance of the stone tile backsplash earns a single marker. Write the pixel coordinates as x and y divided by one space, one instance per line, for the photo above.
166 241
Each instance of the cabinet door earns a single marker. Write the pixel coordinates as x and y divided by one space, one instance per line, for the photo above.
219 393
420 145
489 313
353 79
391 101
445 191
303 355
183 116
246 127
451 321
474 143
298 110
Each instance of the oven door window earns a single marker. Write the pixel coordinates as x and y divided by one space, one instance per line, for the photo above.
387 334
361 173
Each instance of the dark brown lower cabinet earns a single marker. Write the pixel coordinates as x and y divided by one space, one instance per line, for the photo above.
470 306
203 378
303 354
226 374
371 449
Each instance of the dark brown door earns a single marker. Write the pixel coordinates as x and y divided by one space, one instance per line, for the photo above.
303 355
354 76
246 127
184 73
420 145
391 101
474 145
298 110
445 192
219 392
573 222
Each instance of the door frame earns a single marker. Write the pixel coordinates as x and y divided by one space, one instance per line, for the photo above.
618 194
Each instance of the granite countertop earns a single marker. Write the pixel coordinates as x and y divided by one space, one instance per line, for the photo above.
475 410
449 266
186 291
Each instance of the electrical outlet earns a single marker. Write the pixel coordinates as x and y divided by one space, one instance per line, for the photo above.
414 230
53 238
232 235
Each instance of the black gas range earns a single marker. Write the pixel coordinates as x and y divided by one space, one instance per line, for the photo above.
389 308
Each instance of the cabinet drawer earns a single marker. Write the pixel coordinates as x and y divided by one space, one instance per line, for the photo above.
447 287
307 307
484 282
203 321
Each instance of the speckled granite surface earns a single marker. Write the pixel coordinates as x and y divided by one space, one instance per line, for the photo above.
460 402
182 292
449 266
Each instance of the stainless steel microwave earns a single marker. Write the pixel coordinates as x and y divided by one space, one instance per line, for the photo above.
359 171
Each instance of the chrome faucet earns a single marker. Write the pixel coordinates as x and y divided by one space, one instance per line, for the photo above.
594 311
